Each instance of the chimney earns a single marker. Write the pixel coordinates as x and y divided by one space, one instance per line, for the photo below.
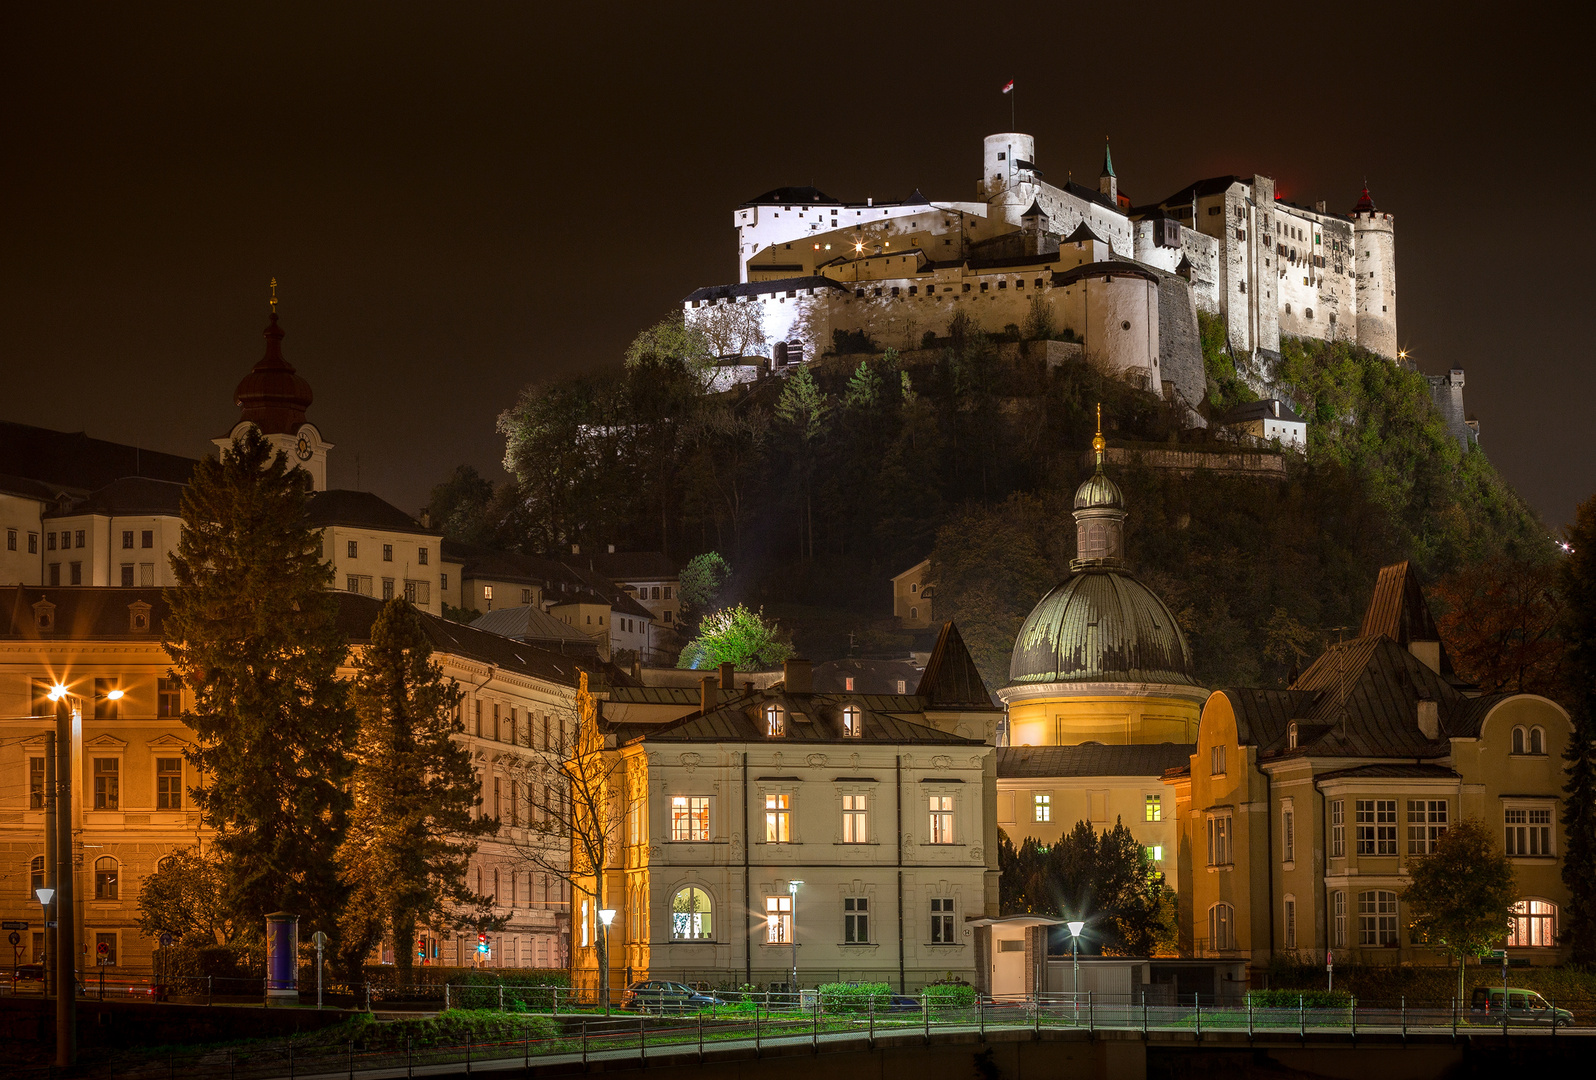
1429 719
1318 207
798 676
707 694
1274 404
727 672
576 549
426 518
612 549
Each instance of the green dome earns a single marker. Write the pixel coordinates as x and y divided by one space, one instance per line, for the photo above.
1099 491
1102 625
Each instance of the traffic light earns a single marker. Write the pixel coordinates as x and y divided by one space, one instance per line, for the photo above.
482 943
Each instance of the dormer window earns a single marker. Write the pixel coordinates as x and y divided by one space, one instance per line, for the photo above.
852 721
775 721
44 617
138 617
1291 735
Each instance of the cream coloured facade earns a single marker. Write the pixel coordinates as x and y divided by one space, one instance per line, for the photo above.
912 595
881 806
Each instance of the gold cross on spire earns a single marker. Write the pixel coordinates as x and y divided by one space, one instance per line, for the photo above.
274 296
1099 444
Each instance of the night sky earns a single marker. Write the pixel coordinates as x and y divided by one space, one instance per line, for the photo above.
459 199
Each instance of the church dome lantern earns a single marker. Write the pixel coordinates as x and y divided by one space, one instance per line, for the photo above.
273 396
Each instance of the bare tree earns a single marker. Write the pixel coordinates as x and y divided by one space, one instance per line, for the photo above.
730 329
572 793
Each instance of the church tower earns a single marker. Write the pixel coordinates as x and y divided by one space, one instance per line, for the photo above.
273 398
1374 242
1107 182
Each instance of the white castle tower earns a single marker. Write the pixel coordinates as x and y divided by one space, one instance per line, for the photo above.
1374 239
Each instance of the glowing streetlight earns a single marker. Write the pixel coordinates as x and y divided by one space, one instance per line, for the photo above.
606 916
57 692
792 890
1075 929
114 695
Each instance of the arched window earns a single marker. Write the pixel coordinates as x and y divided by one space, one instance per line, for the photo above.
914 613
1537 740
1221 927
1518 740
852 721
775 720
35 877
691 914
105 879
1533 925
1291 735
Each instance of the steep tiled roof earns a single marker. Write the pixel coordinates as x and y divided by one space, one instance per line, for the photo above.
810 719
1137 759
1398 609
129 495
869 676
73 460
361 509
951 680
787 196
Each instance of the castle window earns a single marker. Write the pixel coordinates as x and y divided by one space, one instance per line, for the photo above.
354 549
1003 284
127 538
1308 312
913 290
984 286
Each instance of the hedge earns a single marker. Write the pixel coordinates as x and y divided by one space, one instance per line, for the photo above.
1307 999
949 995
1436 984
854 997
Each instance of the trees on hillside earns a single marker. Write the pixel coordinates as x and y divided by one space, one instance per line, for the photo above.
1461 896
700 584
1107 879
412 830
253 635
1579 808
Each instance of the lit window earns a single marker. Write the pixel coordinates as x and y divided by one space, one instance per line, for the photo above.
690 817
854 810
1532 925
941 807
1041 808
1156 853
778 819
778 919
852 719
690 915
1153 808
775 720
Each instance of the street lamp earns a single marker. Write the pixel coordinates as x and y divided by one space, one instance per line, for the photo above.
606 916
792 890
1075 929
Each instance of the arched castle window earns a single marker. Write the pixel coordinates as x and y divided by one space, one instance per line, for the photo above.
1518 740
1537 741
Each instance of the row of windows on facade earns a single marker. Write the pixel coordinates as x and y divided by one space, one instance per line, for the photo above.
852 718
1042 807
1527 829
107 878
537 891
422 552
930 290
494 722
416 592
511 799
690 821
1533 923
692 918
145 574
107 773
76 538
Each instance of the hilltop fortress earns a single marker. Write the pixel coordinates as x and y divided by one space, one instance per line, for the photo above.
1124 282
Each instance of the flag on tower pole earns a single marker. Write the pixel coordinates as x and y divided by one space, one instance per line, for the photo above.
1008 86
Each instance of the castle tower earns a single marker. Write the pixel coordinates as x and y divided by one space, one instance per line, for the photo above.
1107 182
1374 244
273 397
1008 176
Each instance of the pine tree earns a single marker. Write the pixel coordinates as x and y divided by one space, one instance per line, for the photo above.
1579 808
411 831
253 635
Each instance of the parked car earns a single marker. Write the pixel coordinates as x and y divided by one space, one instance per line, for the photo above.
28 979
659 995
1523 1007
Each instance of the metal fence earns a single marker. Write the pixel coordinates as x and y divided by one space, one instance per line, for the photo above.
581 1035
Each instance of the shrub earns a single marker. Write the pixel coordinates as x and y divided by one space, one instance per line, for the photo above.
1308 999
854 997
954 995
217 961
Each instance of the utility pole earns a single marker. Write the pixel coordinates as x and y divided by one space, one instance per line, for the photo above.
50 944
66 951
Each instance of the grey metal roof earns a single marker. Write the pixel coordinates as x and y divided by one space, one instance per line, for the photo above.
951 680
1261 410
1102 625
527 623
1393 769
128 495
1136 759
71 459
810 719
364 510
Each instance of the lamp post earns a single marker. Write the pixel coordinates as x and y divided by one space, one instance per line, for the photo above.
67 719
45 895
606 916
792 890
1075 960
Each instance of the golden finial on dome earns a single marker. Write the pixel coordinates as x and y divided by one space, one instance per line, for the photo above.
1099 444
274 300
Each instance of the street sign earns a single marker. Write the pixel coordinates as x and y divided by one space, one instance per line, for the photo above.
15 939
319 939
166 941
50 925
1330 959
12 924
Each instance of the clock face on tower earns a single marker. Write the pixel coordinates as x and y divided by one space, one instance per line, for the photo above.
303 449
